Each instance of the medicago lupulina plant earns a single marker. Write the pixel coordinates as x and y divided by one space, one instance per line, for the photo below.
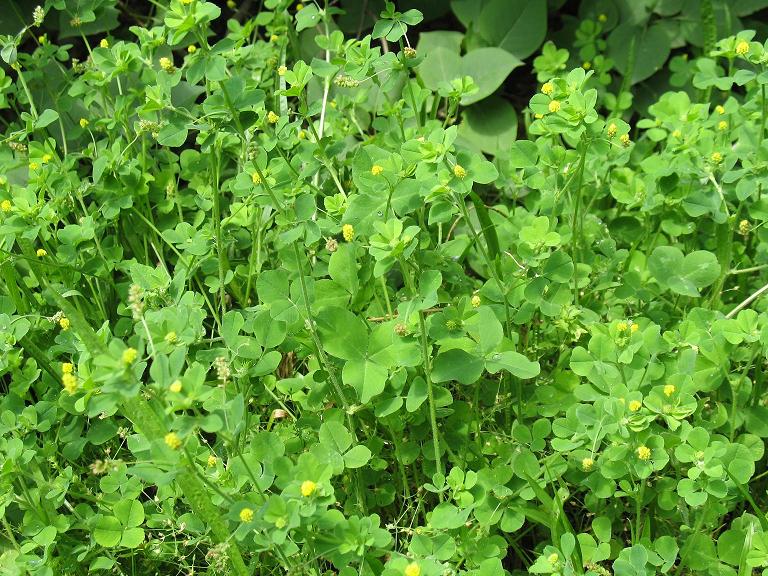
266 308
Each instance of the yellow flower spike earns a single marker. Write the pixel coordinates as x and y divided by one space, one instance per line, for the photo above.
716 157
166 64
129 356
413 569
84 123
308 488
246 515
376 170
272 118
172 440
212 460
191 49
34 166
547 88
644 453
476 301
742 48
348 232
624 139
104 43
64 323
67 368
175 386
41 253
722 125
274 38
719 109
6 206
621 326
669 389
69 382
46 158
554 106
635 405
282 70
612 129
255 178
459 171
587 464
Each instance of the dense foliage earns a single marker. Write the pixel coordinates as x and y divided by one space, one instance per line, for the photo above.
289 288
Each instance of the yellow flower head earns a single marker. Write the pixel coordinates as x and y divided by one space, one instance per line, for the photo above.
171 337
538 116
212 460
282 70
299 7
719 109
742 48
302 134
744 227
669 389
722 125
256 178
34 166
67 368
246 515
166 64
587 463
587 65
612 129
621 326
83 123
69 381
41 253
376 170
172 440
677 134
104 43
602 18
175 386
274 38
129 355
187 1
624 139
64 323
634 328
547 88
459 171
476 301
554 106
635 405
46 158
644 453
6 205
272 118
716 157
412 569
308 488
348 232
191 49
231 4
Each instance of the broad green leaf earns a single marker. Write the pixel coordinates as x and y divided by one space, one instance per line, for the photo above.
129 512
651 49
108 531
342 267
514 363
368 378
132 538
517 26
343 334
683 274
357 457
488 67
457 365
336 436
490 126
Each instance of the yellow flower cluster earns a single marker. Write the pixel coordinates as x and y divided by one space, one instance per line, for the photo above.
172 440
308 488
129 356
272 118
587 464
476 301
246 515
669 389
635 405
742 48
459 171
412 569
376 170
644 453
175 386
348 232
64 323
